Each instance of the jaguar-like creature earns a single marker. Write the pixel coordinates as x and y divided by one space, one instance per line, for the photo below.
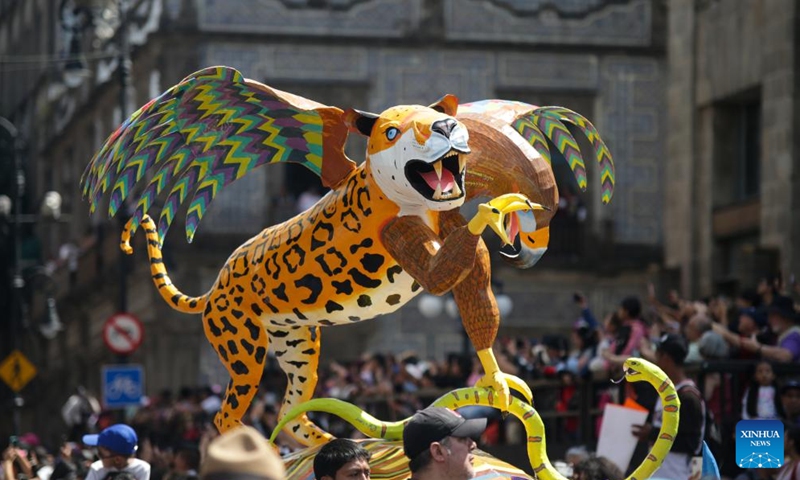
388 229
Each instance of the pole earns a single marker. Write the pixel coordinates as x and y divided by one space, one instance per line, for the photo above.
17 280
125 97
125 101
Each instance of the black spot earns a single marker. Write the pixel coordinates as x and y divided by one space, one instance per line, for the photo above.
393 299
362 279
294 257
366 243
278 333
242 389
192 303
237 313
372 262
280 353
415 286
238 300
239 368
332 256
313 332
302 379
313 284
321 235
208 308
227 326
213 328
223 354
297 363
248 346
261 352
258 286
364 301
310 351
254 329
222 303
354 318
232 400
350 222
280 292
289 321
331 306
392 271
326 323
233 348
256 309
299 314
294 343
343 287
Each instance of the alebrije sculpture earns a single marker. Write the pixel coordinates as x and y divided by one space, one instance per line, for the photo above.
388 228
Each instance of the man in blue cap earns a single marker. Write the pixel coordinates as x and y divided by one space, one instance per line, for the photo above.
115 447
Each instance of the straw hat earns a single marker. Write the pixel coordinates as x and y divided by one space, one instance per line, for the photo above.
241 454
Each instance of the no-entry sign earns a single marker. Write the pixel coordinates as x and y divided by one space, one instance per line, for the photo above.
123 333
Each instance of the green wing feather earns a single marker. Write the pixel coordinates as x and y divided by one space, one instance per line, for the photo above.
537 125
208 131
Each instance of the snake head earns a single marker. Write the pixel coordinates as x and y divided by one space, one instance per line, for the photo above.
632 368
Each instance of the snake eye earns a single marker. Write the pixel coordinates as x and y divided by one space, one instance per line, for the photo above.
391 133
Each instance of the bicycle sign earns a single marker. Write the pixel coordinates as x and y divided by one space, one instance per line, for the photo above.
123 385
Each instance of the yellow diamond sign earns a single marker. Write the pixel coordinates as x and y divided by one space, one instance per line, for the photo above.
16 370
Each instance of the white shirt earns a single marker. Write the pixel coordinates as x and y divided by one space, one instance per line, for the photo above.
136 467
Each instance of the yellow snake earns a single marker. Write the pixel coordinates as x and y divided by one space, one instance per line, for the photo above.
636 370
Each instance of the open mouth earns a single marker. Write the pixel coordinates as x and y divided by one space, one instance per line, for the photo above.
441 180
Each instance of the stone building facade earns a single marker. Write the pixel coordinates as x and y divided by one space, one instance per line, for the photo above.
603 58
731 184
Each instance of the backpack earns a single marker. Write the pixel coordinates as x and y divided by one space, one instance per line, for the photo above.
712 434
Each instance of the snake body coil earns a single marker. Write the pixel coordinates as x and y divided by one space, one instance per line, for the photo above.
636 370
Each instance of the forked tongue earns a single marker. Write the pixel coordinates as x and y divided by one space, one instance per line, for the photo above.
446 182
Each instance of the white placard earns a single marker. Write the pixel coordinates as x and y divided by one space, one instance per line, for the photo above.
616 442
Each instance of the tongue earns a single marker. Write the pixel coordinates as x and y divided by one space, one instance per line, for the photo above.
433 181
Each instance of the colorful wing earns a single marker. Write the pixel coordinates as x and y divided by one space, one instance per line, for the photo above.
208 131
538 124
510 143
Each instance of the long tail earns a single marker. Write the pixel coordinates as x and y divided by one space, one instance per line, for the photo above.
534 427
174 297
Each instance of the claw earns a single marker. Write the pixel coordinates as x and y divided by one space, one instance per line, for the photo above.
520 386
501 383
492 214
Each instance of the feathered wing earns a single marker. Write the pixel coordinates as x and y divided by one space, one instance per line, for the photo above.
206 132
538 124
510 143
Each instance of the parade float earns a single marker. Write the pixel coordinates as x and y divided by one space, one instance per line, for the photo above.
389 228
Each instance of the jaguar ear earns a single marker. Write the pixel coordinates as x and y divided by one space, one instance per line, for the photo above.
447 105
360 122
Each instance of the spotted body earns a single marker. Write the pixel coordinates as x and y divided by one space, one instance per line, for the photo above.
388 229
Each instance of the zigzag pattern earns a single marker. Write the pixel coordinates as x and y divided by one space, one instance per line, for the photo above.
530 132
601 152
550 124
204 133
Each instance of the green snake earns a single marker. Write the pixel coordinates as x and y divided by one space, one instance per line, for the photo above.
636 370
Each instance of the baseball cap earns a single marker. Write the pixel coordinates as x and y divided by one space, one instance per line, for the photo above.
790 385
674 346
783 306
434 424
119 438
756 314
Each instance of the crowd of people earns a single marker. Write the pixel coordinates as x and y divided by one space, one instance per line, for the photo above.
759 325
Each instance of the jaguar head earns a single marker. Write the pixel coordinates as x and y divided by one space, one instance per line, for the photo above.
416 154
